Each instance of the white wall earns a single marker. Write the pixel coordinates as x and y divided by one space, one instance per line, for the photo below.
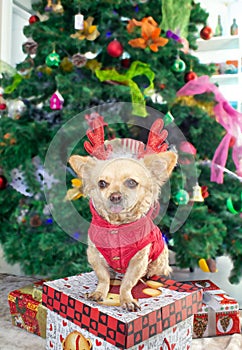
14 16
226 9
20 18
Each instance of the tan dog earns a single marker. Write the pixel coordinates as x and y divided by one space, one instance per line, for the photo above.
123 195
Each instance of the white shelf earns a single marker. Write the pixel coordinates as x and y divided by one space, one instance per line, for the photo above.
225 79
219 50
216 43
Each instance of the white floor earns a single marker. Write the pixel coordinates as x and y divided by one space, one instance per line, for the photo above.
220 278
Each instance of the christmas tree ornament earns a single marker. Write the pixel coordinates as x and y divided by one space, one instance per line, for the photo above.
58 8
30 47
125 59
181 197
168 118
49 6
3 104
3 182
231 208
197 194
35 221
66 65
150 34
26 67
190 76
205 192
178 65
11 140
89 32
79 60
33 19
206 33
91 55
207 265
185 45
171 35
53 59
18 182
79 22
56 101
115 48
187 147
156 97
75 192
15 109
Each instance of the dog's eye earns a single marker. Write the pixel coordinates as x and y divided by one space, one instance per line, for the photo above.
131 183
102 184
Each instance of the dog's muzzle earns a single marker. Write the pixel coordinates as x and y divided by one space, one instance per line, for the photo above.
115 197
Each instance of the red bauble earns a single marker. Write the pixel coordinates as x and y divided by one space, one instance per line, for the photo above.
125 63
33 19
187 147
3 106
115 49
190 76
206 33
3 182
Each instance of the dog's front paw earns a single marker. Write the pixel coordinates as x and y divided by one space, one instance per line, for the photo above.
129 303
96 296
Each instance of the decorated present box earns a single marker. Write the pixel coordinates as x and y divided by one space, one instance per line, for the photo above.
219 314
165 319
26 308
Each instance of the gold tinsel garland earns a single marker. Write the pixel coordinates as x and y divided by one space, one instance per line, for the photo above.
190 101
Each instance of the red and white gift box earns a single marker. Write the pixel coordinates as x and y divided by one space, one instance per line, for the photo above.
164 322
26 309
219 314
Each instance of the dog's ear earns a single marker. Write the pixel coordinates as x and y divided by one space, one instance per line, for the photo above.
161 165
79 162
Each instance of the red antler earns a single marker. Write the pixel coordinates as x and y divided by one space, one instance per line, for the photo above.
96 145
156 140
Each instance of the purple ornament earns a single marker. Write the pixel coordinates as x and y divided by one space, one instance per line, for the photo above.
172 35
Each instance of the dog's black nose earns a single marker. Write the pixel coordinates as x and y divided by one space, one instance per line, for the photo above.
115 197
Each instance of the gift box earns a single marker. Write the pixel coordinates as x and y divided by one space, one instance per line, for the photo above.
164 321
219 314
26 308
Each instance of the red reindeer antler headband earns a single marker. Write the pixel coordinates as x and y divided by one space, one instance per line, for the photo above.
96 145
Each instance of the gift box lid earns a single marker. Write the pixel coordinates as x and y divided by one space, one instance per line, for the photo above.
176 302
216 298
24 297
27 310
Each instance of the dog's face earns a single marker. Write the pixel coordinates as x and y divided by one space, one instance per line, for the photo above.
123 189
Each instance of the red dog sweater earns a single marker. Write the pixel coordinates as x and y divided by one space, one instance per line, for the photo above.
119 243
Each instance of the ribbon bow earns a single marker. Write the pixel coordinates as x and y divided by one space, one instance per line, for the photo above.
228 117
136 68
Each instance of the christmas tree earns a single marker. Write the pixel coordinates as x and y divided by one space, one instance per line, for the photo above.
82 56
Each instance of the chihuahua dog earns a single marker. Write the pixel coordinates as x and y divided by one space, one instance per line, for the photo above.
123 184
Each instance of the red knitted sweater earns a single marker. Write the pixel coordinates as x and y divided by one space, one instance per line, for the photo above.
119 243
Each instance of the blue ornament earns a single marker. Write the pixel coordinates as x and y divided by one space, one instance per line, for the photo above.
108 34
49 221
136 9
